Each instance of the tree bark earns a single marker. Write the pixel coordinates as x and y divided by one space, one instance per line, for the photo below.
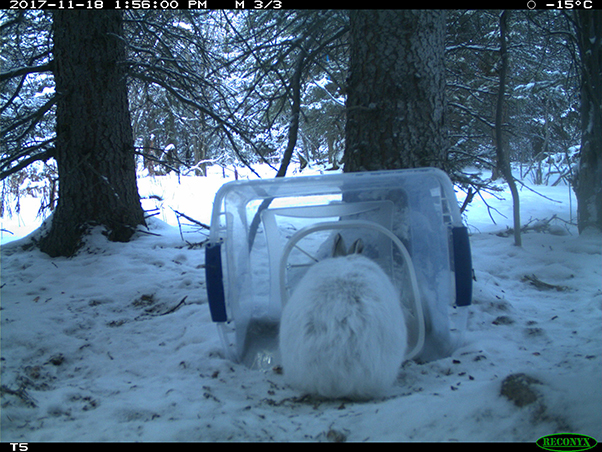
396 86
94 145
588 183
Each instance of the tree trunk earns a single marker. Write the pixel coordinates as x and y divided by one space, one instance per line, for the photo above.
293 133
396 86
588 183
503 155
94 145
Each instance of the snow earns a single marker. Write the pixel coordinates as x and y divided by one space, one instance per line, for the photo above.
116 344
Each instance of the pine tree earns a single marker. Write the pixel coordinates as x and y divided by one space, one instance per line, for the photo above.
94 142
588 185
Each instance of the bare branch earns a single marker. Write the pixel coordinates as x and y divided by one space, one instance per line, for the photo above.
42 156
26 70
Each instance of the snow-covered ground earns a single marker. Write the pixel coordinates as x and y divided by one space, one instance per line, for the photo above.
117 344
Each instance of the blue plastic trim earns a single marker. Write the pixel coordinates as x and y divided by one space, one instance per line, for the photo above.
463 266
214 281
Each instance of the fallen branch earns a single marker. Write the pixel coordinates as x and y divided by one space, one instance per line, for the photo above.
535 281
20 393
203 225
175 308
534 225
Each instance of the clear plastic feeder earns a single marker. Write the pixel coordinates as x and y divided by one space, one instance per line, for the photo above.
266 233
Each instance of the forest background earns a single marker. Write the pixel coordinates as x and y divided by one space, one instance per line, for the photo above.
492 89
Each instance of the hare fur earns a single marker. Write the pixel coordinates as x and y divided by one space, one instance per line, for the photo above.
343 332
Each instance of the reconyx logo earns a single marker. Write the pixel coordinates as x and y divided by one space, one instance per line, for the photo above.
566 442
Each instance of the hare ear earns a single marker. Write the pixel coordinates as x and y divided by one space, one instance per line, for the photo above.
357 247
339 247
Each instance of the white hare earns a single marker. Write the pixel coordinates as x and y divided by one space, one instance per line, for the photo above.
343 332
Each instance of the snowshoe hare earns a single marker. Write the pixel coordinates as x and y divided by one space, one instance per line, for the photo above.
343 332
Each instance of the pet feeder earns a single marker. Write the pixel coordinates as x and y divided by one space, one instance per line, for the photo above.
266 233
